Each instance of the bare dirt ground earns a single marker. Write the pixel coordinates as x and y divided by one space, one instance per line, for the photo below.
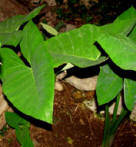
74 124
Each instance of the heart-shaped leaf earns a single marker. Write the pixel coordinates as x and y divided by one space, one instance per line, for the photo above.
31 90
76 46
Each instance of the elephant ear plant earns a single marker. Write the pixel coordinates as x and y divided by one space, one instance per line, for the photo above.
29 84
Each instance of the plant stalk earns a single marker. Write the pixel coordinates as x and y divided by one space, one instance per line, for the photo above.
111 126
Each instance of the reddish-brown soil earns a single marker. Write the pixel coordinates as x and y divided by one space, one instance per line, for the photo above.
74 125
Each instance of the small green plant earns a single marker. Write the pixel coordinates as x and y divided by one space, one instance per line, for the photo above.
29 85
21 127
112 125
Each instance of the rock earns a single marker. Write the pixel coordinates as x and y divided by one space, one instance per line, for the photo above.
133 114
91 105
3 108
67 28
58 86
70 27
86 84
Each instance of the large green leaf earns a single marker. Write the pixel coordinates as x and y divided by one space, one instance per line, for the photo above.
29 89
31 40
39 59
22 128
74 46
8 30
9 34
129 93
11 38
11 24
121 50
120 27
108 85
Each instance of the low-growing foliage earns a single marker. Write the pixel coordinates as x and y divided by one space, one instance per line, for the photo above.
31 88
21 127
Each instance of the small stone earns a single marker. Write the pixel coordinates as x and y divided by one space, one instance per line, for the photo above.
58 86
133 114
86 84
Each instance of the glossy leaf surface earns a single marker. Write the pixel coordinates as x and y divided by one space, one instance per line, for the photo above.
30 89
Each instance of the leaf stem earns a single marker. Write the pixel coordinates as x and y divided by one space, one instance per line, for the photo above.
111 127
